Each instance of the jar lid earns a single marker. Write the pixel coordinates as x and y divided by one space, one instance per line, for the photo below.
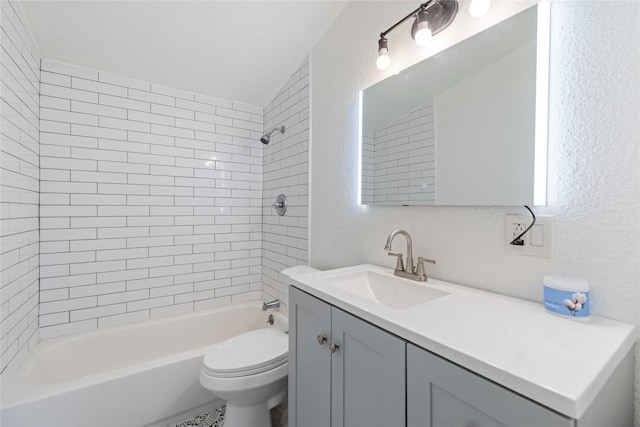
566 283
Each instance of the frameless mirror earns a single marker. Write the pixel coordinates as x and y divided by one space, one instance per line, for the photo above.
466 126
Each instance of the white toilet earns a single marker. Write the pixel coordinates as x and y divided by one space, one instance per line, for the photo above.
249 371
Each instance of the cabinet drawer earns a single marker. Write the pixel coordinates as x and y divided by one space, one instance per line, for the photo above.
442 394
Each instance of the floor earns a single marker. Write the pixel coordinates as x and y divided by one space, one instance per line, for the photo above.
215 418
208 419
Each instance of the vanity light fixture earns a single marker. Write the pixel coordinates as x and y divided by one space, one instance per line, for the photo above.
431 17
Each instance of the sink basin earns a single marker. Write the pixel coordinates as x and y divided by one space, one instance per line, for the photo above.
384 289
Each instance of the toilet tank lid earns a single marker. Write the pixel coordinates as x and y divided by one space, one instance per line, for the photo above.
251 350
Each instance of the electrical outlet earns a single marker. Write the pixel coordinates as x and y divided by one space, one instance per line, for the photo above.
538 241
518 229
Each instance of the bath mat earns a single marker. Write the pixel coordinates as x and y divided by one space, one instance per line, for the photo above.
209 419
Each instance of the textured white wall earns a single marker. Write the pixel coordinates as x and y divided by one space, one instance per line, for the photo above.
593 186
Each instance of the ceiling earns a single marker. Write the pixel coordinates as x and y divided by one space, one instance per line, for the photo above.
238 50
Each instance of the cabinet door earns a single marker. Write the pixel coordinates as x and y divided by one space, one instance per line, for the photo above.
368 374
442 394
309 361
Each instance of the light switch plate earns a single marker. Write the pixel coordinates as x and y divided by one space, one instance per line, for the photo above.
537 242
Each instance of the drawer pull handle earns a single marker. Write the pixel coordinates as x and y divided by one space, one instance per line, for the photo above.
334 347
322 339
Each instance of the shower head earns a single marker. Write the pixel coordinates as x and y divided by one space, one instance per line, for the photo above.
266 138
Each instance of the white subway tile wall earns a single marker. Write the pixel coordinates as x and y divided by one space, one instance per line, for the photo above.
19 163
286 170
403 161
151 200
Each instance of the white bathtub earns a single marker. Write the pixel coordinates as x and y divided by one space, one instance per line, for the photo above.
136 375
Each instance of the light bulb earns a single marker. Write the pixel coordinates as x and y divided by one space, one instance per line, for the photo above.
420 30
478 8
423 36
383 61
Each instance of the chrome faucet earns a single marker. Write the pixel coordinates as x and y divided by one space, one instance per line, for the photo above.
407 272
271 304
387 247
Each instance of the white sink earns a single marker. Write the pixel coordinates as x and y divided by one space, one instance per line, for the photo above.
384 289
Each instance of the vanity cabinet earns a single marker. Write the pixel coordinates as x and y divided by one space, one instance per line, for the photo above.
343 371
441 394
382 371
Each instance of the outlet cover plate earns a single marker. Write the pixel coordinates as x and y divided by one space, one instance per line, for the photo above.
541 235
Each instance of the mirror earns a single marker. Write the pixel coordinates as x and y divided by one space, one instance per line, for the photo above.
466 126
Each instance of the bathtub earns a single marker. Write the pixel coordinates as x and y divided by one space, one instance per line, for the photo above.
143 374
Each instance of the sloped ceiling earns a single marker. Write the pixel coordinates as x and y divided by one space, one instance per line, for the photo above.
239 50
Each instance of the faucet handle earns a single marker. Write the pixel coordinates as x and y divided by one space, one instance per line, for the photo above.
420 267
399 263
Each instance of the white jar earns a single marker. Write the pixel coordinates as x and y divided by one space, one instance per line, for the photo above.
567 296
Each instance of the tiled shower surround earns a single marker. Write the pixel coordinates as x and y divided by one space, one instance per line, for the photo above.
286 170
19 163
123 200
151 200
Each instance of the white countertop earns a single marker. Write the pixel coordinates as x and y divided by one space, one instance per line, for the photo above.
559 362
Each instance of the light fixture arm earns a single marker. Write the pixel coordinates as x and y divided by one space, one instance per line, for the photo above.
423 6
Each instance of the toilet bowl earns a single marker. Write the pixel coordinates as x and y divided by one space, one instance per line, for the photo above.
249 371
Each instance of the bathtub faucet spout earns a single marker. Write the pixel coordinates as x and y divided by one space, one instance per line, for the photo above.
271 304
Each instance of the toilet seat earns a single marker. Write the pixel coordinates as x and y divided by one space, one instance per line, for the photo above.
250 353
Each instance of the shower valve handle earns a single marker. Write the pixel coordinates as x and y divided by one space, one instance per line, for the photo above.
280 205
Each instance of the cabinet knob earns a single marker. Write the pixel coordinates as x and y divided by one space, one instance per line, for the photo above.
322 339
334 347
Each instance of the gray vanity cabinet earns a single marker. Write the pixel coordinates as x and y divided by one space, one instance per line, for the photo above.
344 372
441 394
309 360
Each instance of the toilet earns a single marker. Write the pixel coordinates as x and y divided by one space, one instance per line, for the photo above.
249 371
